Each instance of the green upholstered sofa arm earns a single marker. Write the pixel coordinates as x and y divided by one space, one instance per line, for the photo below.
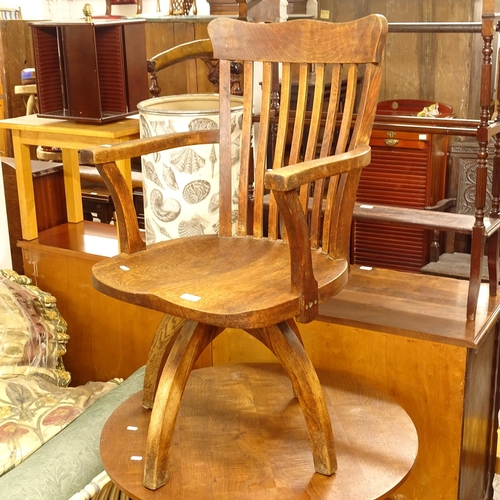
71 459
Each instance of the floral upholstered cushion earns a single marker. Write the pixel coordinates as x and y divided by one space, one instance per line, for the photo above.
71 459
35 402
33 410
32 332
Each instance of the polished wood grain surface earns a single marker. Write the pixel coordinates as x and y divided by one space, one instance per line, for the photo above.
414 305
90 240
251 442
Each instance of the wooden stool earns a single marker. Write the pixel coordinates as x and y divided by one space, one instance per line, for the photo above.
241 434
29 93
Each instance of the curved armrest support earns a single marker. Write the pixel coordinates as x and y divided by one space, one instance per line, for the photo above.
303 281
126 218
179 53
284 184
294 176
105 158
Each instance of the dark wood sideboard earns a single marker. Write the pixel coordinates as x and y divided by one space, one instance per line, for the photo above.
408 169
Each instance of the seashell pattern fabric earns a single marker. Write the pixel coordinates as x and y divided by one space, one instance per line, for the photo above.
181 186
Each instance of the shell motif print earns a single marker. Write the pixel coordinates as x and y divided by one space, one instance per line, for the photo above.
146 130
196 191
193 227
164 232
169 178
235 151
186 160
150 233
166 210
149 171
203 124
160 127
213 206
212 159
181 185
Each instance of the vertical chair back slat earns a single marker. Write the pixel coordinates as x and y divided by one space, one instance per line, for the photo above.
261 141
246 176
315 119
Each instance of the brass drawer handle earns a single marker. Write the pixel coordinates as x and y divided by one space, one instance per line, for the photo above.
391 142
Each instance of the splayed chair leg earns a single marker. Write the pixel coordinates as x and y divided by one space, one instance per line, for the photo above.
187 346
287 347
161 345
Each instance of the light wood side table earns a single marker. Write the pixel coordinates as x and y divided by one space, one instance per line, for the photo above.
70 137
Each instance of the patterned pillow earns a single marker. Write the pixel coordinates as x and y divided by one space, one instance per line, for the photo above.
32 332
33 410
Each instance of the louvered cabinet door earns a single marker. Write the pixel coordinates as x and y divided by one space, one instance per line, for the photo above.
407 170
94 72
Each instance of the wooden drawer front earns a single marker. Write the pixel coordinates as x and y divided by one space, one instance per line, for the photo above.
387 246
392 134
395 176
397 143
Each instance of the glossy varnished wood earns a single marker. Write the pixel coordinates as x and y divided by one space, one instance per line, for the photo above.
413 305
260 451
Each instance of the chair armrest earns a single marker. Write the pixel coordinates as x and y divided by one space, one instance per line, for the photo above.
294 176
179 53
284 184
146 145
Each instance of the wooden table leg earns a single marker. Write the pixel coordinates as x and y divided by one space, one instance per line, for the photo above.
24 181
72 185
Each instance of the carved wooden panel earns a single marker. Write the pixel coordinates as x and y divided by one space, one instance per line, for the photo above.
463 164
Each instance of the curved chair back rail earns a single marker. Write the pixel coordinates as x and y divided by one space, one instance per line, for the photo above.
195 49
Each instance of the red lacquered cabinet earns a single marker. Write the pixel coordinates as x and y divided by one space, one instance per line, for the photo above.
408 169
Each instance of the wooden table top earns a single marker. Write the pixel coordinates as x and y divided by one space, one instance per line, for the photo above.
413 305
34 123
241 434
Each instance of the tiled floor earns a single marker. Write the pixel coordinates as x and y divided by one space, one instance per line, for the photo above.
496 485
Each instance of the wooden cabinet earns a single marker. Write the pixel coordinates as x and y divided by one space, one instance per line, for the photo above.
49 200
90 71
408 169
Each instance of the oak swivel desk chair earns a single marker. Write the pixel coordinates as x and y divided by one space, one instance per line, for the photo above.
261 281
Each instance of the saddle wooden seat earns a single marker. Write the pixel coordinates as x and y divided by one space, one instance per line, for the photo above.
253 274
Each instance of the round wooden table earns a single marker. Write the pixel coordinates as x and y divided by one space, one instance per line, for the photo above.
241 434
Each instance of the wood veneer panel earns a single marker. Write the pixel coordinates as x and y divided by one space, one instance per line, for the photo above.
480 421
